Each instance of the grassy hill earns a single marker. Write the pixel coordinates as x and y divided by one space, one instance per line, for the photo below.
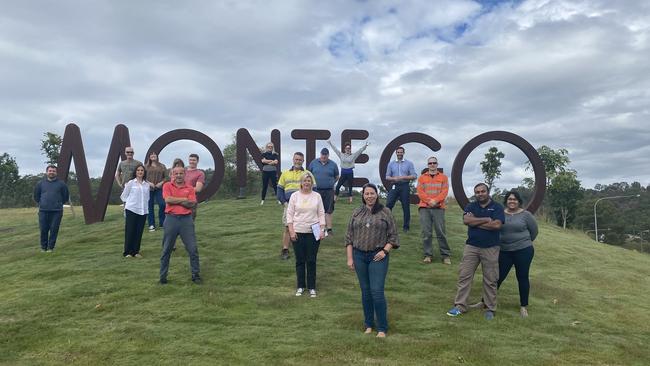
85 304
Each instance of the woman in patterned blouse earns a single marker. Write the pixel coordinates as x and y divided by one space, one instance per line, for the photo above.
370 237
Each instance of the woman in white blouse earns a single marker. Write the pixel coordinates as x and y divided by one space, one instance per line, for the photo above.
306 223
136 207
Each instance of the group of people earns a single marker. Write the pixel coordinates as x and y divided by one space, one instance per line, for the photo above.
498 238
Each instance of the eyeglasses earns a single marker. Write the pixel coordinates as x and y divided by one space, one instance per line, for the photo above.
432 162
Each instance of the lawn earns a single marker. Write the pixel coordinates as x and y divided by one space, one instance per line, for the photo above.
85 304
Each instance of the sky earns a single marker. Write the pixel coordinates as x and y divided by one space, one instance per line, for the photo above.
566 74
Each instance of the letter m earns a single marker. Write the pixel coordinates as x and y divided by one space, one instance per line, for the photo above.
72 146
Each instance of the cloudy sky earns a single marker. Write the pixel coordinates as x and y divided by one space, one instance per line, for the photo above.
566 74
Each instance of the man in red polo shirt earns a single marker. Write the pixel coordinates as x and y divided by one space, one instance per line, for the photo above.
180 198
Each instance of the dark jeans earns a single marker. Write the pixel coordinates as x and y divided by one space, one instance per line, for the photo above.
345 177
402 191
176 225
306 249
372 276
266 177
133 227
155 196
521 259
49 222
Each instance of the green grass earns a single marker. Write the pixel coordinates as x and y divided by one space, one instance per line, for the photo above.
85 304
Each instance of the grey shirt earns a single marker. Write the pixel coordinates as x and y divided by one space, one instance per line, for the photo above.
518 231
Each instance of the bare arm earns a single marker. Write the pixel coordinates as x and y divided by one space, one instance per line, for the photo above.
492 225
470 220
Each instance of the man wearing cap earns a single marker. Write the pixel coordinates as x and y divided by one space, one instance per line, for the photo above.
126 167
433 187
327 173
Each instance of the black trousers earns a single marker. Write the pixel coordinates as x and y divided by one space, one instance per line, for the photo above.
521 259
305 250
133 227
345 177
266 177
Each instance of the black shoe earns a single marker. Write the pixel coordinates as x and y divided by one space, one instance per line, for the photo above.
285 254
197 279
163 281
329 231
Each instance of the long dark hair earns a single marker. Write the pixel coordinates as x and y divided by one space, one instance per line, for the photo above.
144 177
378 206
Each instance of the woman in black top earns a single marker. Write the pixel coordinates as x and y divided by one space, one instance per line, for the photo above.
270 161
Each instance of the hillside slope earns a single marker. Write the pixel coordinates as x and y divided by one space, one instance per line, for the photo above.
85 304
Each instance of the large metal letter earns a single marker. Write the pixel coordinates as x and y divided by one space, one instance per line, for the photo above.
518 141
245 142
72 146
346 138
310 136
421 138
203 139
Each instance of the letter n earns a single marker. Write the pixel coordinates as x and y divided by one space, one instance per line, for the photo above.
72 146
245 143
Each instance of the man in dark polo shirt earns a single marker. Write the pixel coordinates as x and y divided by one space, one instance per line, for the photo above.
483 218
180 198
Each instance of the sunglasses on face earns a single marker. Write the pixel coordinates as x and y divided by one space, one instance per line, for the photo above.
432 163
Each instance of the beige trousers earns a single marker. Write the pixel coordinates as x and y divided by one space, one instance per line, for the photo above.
489 260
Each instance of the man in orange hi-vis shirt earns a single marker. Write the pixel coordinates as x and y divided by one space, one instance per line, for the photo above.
433 187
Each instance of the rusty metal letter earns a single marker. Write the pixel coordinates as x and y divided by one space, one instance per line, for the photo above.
346 138
310 136
420 138
245 142
72 146
518 141
186 134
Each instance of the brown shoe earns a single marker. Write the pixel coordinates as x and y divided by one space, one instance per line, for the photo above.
427 260
446 261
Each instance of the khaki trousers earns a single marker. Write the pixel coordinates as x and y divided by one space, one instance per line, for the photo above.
489 260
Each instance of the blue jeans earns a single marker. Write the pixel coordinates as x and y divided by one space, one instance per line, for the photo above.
402 191
49 222
155 196
372 276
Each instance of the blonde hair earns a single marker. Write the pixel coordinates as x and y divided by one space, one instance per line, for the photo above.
304 176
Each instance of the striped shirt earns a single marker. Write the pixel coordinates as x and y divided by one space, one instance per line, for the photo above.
369 232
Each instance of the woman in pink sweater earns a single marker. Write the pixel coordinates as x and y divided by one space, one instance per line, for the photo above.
306 223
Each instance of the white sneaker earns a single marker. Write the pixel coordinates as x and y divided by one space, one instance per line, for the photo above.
261 203
152 228
299 291
312 293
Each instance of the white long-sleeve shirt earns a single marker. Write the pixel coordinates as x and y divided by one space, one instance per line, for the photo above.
136 196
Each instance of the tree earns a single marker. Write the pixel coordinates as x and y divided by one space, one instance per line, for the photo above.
555 162
9 179
51 147
491 166
564 193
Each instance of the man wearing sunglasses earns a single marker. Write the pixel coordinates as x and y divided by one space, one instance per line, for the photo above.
433 187
126 167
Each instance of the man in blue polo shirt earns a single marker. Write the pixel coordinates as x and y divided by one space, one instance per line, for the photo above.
483 218
326 173
400 173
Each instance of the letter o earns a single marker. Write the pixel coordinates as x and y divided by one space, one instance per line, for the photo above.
518 141
186 134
